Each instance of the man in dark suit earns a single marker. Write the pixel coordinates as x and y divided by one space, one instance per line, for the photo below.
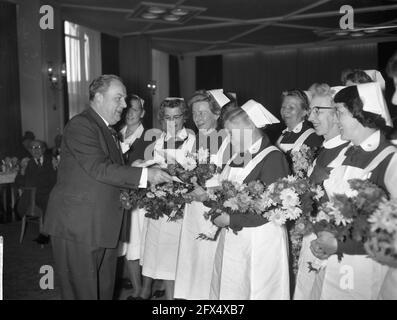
38 172
84 214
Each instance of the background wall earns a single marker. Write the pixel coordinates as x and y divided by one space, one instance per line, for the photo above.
10 119
161 74
264 75
41 104
136 70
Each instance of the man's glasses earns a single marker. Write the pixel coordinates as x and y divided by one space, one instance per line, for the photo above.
36 147
316 110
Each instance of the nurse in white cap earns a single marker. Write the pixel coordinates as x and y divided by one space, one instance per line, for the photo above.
252 264
361 115
196 257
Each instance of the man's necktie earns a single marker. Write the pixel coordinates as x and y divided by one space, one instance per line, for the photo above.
115 136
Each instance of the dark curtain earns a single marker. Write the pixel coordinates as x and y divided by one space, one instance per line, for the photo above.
385 51
174 76
263 76
110 54
10 120
136 70
209 72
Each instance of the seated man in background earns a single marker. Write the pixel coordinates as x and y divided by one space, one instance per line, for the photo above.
38 172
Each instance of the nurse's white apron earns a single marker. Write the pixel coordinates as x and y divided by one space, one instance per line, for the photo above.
196 257
305 277
253 264
160 246
297 144
355 276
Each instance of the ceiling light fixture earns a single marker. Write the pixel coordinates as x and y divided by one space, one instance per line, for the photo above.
149 16
179 12
171 17
357 34
156 10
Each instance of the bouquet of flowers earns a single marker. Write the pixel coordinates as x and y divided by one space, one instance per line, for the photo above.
10 164
346 215
292 200
302 160
196 168
382 240
165 199
231 198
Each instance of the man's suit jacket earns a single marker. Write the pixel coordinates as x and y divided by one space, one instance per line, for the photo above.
84 205
42 177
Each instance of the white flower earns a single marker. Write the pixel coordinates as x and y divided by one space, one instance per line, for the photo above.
231 203
293 213
322 216
289 198
319 193
277 216
385 217
351 193
340 218
291 178
150 195
189 164
160 194
202 155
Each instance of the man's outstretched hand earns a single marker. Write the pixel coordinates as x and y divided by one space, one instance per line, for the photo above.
156 176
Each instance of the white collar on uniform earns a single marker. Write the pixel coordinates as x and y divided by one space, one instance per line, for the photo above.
137 134
372 142
297 129
255 147
206 132
181 135
334 142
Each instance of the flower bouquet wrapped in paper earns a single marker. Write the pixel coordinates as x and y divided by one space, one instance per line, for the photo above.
231 198
382 241
165 199
292 200
196 168
346 215
302 160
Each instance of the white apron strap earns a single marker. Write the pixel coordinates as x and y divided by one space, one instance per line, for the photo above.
380 157
299 142
251 164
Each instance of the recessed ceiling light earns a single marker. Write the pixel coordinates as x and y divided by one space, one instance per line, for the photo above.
150 16
342 33
179 12
156 10
171 17
371 30
357 34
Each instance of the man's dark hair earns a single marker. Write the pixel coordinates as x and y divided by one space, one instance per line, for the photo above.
101 84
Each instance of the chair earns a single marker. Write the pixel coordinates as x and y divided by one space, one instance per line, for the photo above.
33 213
